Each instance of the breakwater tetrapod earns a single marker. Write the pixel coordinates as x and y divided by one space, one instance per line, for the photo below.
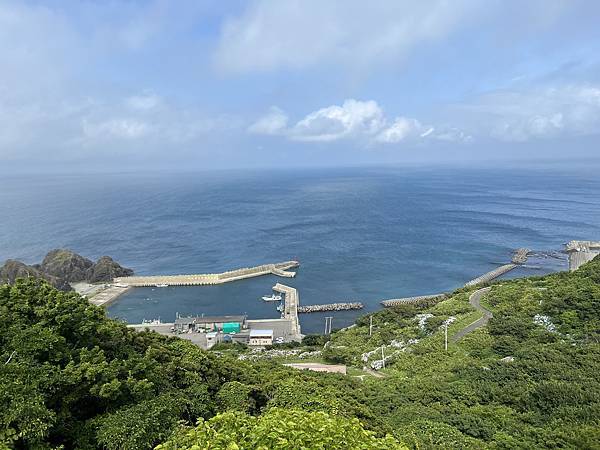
519 257
344 306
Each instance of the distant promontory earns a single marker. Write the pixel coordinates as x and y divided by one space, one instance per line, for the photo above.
61 267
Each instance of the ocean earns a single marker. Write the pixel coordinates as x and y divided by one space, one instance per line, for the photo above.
365 234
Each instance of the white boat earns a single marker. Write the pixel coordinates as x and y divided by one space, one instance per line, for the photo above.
272 298
151 322
161 285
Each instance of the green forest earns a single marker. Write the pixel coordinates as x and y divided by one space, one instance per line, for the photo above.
72 378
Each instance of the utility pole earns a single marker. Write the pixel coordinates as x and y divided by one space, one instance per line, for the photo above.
382 356
371 325
328 325
446 335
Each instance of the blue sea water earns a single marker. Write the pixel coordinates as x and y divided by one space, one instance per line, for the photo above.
360 234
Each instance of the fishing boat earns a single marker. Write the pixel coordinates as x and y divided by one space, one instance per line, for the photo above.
271 298
151 321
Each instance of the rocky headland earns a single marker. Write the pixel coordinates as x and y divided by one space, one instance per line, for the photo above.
61 267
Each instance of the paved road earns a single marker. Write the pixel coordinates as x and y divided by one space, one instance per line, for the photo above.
474 300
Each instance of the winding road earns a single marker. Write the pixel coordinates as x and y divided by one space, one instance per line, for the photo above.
474 301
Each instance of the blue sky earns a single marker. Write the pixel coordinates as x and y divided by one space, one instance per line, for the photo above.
152 84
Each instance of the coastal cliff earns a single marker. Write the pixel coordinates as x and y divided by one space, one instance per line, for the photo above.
60 267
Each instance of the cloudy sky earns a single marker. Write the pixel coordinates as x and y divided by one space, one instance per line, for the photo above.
193 84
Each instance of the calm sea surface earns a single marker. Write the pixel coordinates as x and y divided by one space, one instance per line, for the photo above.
360 234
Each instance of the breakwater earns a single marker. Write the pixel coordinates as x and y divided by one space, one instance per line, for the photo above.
415 299
519 257
491 275
280 269
330 307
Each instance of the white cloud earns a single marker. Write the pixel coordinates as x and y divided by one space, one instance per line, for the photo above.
298 34
123 128
274 122
353 118
357 120
536 113
403 128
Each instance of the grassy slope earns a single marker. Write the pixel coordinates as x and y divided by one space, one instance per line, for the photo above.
548 396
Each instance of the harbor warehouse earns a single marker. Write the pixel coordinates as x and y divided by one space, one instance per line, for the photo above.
225 324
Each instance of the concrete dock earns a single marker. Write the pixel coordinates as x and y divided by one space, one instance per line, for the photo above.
290 308
279 269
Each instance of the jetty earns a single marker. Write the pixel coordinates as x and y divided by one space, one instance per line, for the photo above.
291 301
415 299
519 257
344 306
279 269
491 275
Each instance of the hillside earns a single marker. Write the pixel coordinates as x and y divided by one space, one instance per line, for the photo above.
528 379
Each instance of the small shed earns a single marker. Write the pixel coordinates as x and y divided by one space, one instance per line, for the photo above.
261 337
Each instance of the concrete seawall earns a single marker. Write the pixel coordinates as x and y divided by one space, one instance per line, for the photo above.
491 275
581 252
519 257
280 269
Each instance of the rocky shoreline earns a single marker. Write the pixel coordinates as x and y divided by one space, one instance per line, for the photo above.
61 267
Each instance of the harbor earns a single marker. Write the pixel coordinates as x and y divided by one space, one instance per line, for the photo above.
284 300
104 295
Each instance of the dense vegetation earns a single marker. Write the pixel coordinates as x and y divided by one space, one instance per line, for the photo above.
71 377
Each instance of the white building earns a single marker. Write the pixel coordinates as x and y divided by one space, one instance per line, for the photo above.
212 338
261 337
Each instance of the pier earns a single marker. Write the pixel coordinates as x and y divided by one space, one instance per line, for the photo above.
279 269
291 302
347 306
